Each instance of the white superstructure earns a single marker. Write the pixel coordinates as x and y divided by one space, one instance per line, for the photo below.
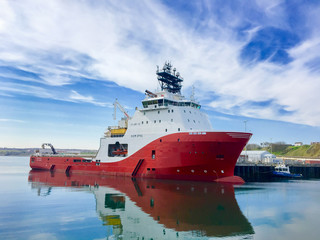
163 113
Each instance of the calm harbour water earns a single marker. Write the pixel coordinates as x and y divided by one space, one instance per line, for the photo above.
44 205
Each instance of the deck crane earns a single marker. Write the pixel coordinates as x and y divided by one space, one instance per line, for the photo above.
117 104
120 130
51 146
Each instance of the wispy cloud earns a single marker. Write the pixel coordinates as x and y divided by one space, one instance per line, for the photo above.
123 43
75 96
222 118
11 120
10 88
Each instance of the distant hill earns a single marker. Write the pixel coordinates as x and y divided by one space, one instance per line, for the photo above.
30 151
312 151
286 150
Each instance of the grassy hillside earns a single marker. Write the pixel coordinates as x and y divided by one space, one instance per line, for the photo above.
287 150
312 151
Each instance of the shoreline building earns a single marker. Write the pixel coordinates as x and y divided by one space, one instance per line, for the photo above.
257 157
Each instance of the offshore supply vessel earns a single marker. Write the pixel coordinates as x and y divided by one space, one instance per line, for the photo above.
168 138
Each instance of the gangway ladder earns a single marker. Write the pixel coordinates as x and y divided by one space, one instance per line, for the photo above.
134 173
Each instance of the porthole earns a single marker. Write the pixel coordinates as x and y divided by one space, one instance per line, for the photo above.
178 170
205 171
192 171
222 171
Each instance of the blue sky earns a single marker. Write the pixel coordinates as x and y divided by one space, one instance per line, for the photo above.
63 63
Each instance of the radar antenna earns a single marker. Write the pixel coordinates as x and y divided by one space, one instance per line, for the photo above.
169 80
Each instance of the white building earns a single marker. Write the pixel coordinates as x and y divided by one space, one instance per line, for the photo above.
257 157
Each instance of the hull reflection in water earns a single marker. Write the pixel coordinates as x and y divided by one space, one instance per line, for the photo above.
155 208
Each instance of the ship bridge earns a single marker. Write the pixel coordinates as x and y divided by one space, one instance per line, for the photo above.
162 102
171 83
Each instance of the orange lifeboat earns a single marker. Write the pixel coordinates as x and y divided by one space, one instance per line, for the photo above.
119 152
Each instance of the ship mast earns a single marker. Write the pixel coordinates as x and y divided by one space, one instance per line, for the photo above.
169 80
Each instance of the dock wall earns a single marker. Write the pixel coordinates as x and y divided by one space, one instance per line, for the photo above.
251 171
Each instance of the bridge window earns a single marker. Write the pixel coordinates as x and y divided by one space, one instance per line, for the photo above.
153 154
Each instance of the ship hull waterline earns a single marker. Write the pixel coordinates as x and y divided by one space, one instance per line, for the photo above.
209 156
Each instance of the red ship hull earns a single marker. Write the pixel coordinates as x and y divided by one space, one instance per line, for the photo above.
209 156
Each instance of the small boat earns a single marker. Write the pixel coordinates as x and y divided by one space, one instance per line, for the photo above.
282 170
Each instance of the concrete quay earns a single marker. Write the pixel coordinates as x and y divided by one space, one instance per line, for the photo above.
259 171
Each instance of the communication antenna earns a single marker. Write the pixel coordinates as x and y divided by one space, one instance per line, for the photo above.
192 97
169 79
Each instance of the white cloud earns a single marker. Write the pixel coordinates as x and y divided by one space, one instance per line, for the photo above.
75 96
11 120
41 92
39 236
125 42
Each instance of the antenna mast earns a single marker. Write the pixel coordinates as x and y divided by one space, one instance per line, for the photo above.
169 80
